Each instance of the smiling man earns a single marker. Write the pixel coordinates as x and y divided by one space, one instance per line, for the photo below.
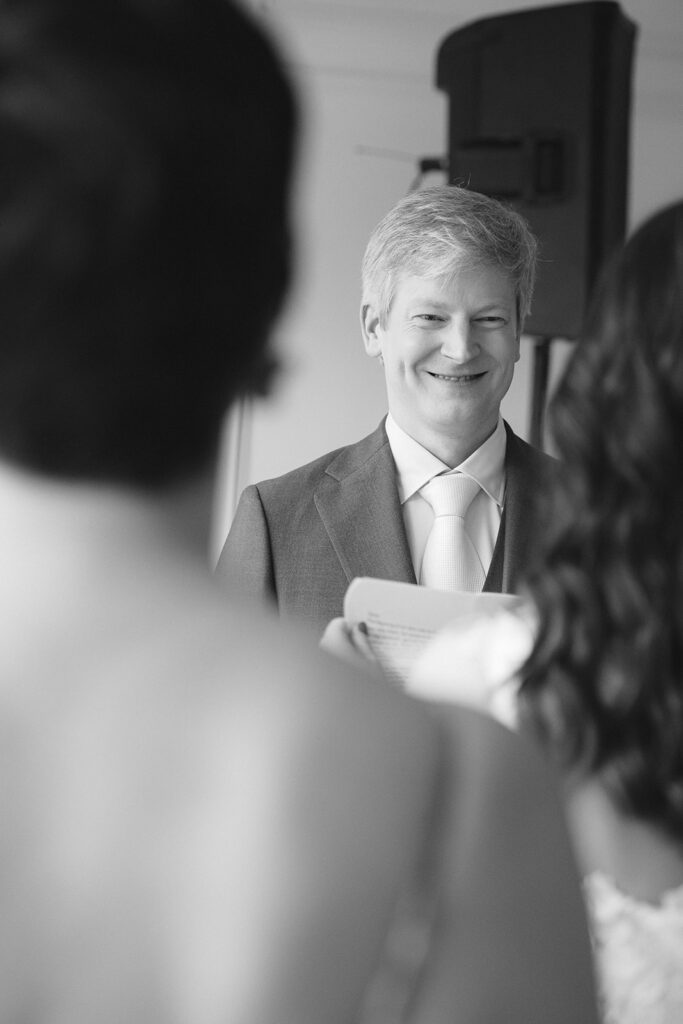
447 281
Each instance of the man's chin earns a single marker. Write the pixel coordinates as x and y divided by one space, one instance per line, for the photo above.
465 422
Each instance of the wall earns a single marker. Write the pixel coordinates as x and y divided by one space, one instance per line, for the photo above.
365 73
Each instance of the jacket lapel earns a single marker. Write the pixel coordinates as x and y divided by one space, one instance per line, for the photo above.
528 472
359 505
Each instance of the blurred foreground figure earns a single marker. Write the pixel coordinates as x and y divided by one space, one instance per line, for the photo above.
202 820
602 688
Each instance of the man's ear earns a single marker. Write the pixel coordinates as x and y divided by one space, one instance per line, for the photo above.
518 351
369 325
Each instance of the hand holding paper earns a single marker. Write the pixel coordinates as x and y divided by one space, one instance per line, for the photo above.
401 618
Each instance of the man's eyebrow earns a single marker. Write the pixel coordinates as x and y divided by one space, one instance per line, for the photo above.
495 304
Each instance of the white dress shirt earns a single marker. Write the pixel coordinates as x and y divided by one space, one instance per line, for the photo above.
415 467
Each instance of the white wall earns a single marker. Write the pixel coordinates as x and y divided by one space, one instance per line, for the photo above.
365 74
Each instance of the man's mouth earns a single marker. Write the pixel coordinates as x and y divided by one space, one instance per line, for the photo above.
456 378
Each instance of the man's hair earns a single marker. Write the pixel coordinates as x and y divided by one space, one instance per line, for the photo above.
603 686
144 243
435 231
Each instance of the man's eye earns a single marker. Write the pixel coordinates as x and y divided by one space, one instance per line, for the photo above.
430 317
491 320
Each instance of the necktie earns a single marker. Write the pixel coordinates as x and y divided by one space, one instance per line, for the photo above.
450 561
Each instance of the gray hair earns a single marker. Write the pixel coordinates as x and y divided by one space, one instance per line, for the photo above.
433 231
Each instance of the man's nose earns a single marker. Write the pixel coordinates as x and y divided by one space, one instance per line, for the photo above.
458 341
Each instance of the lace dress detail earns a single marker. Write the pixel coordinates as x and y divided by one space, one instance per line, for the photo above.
639 953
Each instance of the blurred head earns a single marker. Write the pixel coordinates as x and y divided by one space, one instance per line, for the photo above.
603 685
144 242
447 280
435 232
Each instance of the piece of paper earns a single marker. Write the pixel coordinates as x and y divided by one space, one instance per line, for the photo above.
401 618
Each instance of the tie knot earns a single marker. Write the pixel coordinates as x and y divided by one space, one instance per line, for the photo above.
450 495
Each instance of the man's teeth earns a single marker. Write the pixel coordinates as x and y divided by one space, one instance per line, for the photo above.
462 376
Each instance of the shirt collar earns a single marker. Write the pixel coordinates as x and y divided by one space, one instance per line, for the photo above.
416 466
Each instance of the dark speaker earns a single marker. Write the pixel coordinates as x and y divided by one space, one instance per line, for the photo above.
539 111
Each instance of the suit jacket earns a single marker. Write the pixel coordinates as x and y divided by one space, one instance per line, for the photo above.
301 538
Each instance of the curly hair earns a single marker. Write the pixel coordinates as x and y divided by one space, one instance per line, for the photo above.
603 687
144 242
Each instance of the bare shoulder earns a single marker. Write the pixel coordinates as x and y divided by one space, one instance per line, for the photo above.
639 857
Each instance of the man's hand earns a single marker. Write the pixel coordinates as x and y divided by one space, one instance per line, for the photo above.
350 642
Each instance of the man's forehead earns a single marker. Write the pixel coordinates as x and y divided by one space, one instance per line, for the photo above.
476 279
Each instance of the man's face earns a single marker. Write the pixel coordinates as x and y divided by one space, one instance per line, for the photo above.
449 348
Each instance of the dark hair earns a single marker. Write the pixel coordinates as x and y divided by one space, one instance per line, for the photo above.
604 684
144 246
